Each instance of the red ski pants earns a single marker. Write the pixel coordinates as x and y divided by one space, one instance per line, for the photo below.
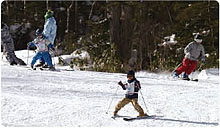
188 66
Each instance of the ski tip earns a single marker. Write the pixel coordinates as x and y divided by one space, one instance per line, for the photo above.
195 80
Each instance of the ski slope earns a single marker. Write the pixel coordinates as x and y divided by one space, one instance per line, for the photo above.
81 98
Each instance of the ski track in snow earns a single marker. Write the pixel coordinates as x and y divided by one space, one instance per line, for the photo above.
81 99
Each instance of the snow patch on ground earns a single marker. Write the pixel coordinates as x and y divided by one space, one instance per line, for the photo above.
81 98
209 74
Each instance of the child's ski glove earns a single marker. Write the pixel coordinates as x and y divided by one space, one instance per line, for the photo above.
51 47
122 85
30 45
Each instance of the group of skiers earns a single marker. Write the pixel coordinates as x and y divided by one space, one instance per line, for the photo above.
44 41
194 52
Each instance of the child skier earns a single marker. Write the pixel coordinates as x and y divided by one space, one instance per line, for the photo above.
49 32
43 46
132 86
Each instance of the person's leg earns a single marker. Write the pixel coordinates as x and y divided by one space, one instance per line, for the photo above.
192 67
35 58
52 38
50 58
137 107
46 57
8 52
184 66
10 58
121 104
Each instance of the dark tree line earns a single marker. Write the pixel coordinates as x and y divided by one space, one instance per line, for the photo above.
121 35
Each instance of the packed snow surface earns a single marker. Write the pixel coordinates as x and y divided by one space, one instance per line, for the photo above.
81 98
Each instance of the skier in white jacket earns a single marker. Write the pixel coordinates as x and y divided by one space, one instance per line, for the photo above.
132 87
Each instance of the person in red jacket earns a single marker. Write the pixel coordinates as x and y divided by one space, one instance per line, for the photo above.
132 87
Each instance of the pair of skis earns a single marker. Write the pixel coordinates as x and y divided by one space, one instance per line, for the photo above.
127 118
186 79
42 69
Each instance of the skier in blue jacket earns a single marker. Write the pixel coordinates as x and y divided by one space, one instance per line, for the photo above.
50 29
43 45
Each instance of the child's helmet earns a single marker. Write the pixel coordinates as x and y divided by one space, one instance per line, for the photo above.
39 32
131 73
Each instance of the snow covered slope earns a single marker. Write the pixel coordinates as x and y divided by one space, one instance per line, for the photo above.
81 98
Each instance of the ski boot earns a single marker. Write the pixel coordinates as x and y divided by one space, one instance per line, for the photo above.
142 115
115 113
175 74
51 68
13 63
185 76
32 67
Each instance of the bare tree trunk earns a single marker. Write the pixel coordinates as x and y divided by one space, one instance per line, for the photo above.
115 25
212 32
47 4
7 9
140 53
68 17
127 27
76 11
121 31
90 14
24 8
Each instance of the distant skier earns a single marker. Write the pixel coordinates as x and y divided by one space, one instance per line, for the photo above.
43 45
194 51
50 29
132 86
8 46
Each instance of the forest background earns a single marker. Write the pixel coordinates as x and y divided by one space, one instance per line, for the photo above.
118 36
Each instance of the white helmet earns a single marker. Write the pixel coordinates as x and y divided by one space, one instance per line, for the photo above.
198 38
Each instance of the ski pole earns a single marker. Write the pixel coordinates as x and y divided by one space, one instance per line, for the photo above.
112 100
195 71
60 58
53 62
27 54
200 66
176 68
144 102
54 55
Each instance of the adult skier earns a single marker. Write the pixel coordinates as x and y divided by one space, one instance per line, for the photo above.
49 31
194 52
50 27
132 86
8 46
43 45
